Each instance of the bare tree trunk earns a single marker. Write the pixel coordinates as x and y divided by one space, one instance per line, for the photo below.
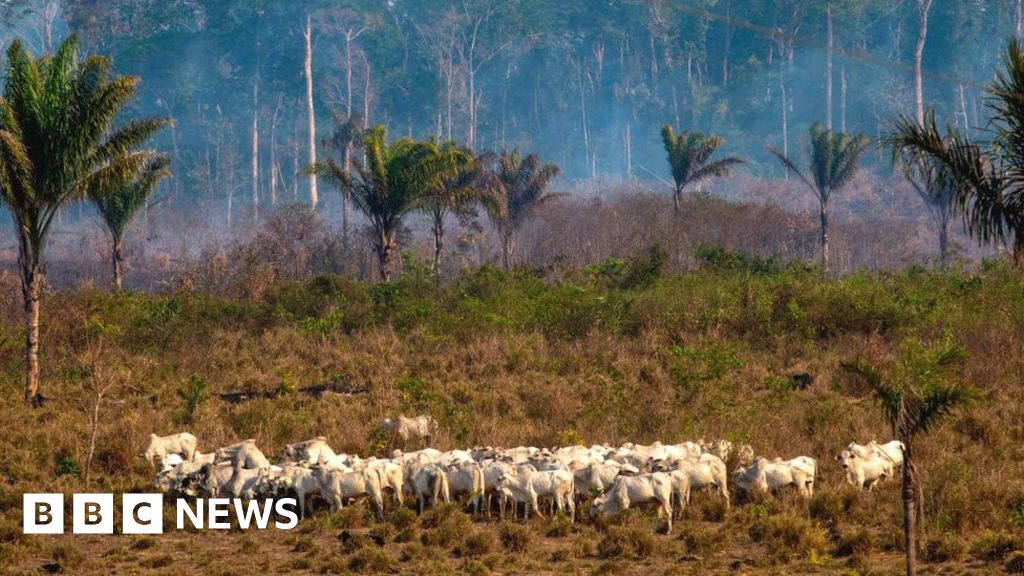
273 154
255 150
923 7
348 74
825 256
785 113
628 145
909 511
307 33
366 93
117 257
31 280
842 99
1018 19
828 70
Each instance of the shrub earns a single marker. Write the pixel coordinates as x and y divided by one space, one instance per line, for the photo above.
788 535
995 546
67 555
698 540
626 542
445 526
514 538
1015 563
560 527
859 542
193 392
402 518
477 544
350 542
370 561
943 548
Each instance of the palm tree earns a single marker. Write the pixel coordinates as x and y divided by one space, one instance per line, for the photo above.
689 158
519 186
987 179
914 395
347 134
385 189
927 180
58 144
118 208
835 160
454 184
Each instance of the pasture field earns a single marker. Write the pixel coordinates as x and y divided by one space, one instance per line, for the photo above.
614 353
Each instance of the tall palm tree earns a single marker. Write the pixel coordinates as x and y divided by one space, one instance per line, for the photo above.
689 159
834 161
987 179
58 144
385 189
914 395
519 186
455 183
118 208
347 134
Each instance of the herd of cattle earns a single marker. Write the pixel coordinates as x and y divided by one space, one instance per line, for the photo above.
613 479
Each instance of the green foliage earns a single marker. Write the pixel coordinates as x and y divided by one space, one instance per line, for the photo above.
985 179
722 259
193 392
689 158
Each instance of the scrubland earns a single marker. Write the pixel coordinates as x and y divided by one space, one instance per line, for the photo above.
613 352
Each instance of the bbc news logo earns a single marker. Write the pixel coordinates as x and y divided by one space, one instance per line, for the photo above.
144 513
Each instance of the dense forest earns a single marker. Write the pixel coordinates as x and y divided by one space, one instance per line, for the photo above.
584 84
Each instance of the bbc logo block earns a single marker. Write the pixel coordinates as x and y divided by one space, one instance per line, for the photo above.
93 514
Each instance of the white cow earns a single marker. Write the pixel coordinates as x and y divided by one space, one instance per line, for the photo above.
418 429
299 479
314 451
392 475
336 486
866 465
596 478
429 483
224 481
467 478
182 443
893 450
630 491
706 472
526 485
244 454
764 475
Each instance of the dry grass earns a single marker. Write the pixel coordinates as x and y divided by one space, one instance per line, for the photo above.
510 360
